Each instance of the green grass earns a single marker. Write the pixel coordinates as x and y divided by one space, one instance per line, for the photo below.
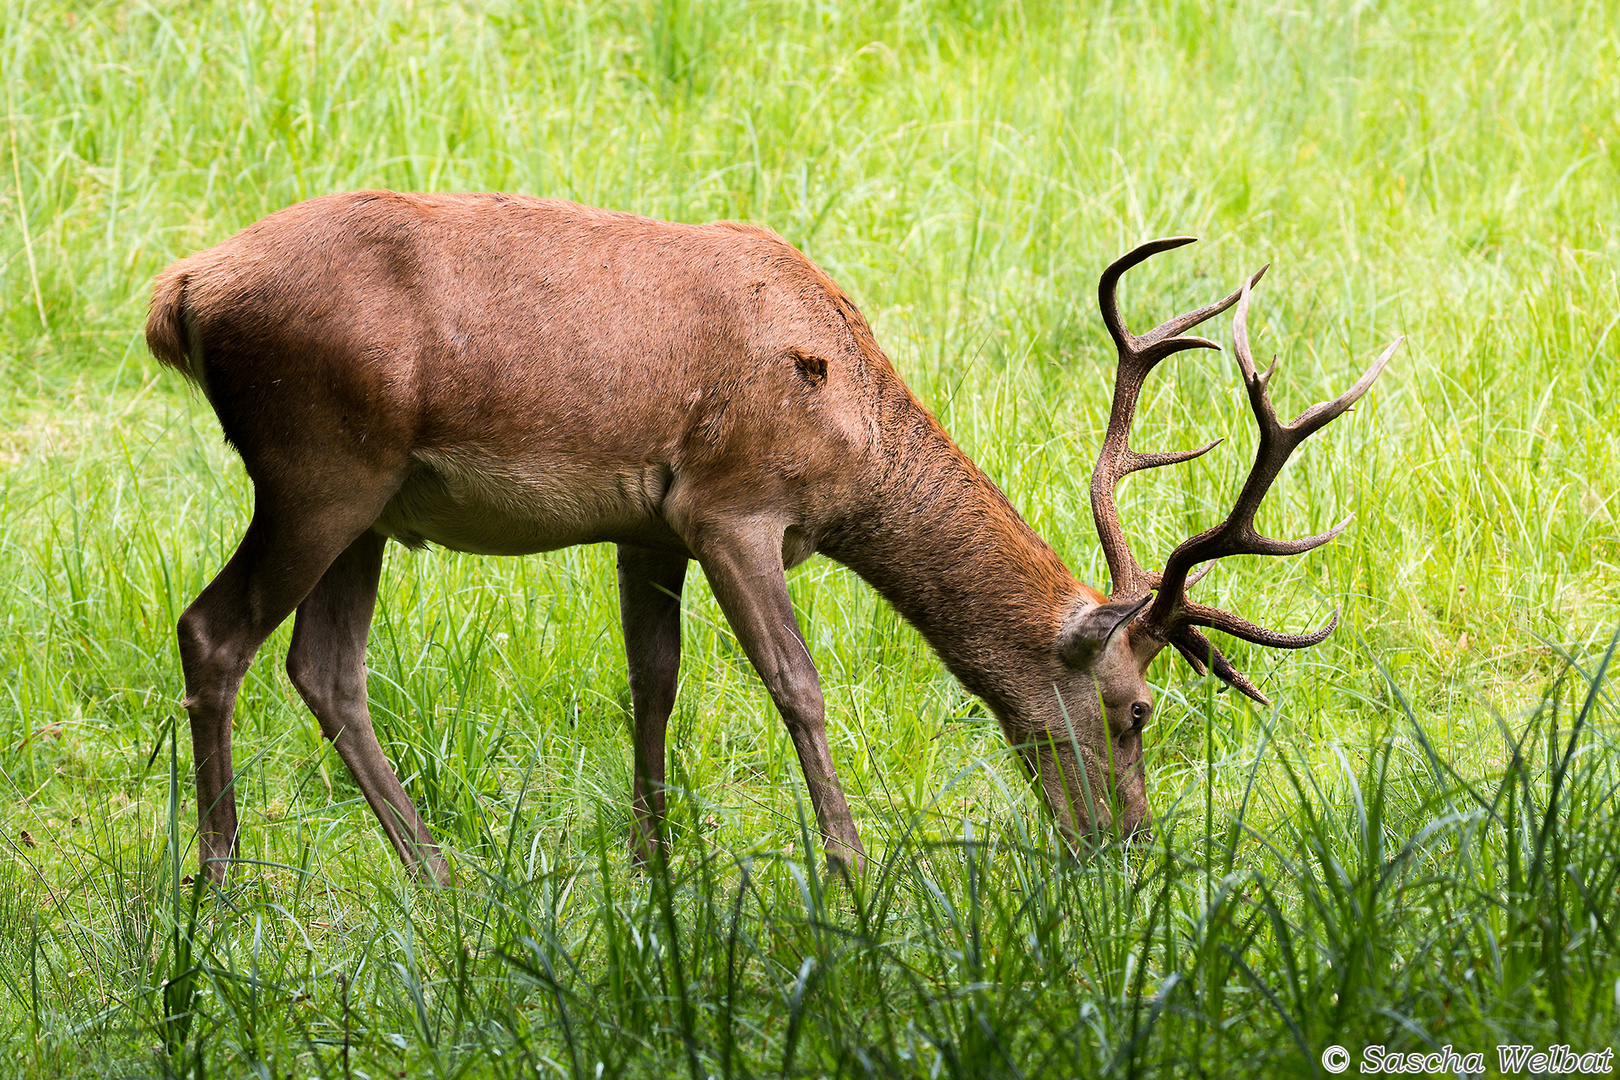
1419 846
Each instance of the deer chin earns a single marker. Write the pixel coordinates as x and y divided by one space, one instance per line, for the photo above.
1094 786
1075 790
1135 818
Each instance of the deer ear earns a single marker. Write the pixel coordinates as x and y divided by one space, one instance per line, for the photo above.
1086 633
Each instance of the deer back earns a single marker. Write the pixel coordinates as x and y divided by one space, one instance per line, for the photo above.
553 367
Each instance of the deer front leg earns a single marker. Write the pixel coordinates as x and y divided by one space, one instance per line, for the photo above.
650 611
327 663
744 567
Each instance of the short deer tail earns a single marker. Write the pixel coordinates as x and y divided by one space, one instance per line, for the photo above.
166 329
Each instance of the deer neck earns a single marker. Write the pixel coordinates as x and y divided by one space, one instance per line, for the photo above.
938 539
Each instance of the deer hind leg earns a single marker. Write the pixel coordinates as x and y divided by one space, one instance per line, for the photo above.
327 663
287 547
745 570
650 610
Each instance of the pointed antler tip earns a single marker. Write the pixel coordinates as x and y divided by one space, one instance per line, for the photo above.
1253 694
1163 244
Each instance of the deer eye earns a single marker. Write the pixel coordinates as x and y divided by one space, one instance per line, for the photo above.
1139 713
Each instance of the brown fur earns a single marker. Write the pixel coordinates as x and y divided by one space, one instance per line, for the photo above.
507 375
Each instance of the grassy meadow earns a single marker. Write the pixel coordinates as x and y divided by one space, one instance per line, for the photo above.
1417 846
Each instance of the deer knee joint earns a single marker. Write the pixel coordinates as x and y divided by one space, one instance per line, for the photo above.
207 660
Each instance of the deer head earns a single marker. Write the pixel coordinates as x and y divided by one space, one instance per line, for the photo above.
1089 766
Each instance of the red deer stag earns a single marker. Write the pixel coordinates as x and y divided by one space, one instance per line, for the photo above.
509 375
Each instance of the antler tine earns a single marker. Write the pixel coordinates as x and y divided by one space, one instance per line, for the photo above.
1173 615
1137 358
1203 656
1239 627
1323 413
1127 342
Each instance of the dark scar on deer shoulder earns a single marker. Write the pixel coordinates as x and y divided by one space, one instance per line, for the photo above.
812 369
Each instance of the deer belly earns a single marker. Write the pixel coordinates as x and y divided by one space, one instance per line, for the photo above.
490 506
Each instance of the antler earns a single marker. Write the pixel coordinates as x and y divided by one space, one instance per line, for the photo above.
1137 357
1173 616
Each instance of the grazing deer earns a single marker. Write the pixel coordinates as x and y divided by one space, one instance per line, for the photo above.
509 375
